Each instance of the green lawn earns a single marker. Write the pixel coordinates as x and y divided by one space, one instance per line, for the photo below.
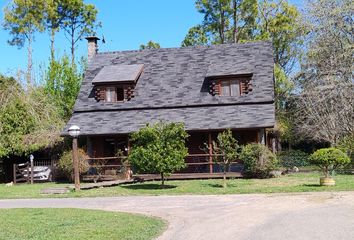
300 182
74 224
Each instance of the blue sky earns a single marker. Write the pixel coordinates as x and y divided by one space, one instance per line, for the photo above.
125 24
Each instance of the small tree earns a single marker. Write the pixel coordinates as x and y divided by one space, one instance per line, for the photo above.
159 148
225 151
329 159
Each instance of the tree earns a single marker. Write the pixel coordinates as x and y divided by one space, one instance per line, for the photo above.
62 84
23 18
225 21
150 45
159 148
278 22
53 15
224 150
324 108
28 120
196 36
329 159
79 19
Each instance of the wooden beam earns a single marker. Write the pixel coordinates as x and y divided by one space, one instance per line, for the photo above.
210 153
14 173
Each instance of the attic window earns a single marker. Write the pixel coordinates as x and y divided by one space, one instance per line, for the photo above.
114 93
231 86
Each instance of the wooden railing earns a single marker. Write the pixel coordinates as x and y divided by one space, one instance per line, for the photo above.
195 163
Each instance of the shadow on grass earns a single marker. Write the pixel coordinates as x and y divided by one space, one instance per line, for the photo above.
311 185
150 186
215 185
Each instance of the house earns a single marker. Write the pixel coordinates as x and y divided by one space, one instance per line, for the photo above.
209 88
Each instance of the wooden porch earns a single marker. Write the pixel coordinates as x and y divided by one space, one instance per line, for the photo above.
200 163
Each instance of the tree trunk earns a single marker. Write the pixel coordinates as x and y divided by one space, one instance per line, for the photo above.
224 176
235 21
29 61
162 180
52 39
72 47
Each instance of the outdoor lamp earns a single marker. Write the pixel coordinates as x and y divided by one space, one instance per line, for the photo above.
74 132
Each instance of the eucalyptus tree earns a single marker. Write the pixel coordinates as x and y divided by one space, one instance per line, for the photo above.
23 18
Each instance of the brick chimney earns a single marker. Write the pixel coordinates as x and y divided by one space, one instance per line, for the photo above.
92 47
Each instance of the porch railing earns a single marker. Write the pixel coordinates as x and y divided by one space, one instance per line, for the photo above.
194 162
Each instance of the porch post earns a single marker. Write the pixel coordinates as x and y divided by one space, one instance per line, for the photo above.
210 153
261 137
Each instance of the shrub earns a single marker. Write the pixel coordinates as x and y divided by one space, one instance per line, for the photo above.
329 159
347 146
159 148
292 158
65 164
258 160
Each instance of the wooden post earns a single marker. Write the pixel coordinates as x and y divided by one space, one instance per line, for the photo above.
28 173
210 153
76 165
14 173
32 166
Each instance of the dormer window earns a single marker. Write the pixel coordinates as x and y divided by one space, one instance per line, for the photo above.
116 83
114 94
231 86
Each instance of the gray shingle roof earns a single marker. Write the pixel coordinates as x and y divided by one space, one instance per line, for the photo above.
118 73
172 86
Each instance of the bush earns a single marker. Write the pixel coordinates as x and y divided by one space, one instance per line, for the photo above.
347 146
329 159
258 161
65 164
292 158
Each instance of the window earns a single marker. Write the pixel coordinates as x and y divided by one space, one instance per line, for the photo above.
114 94
233 86
229 88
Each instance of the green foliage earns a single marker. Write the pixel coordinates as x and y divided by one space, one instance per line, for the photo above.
28 120
225 150
159 148
329 159
258 160
196 36
225 145
279 23
346 145
150 45
293 158
65 164
232 21
78 20
23 18
62 84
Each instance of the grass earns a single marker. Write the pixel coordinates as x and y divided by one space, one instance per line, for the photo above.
299 182
55 224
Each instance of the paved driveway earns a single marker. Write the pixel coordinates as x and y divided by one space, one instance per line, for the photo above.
312 216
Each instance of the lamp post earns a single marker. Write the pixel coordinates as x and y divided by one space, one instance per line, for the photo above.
74 132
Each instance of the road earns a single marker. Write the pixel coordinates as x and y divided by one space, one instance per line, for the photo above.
253 216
